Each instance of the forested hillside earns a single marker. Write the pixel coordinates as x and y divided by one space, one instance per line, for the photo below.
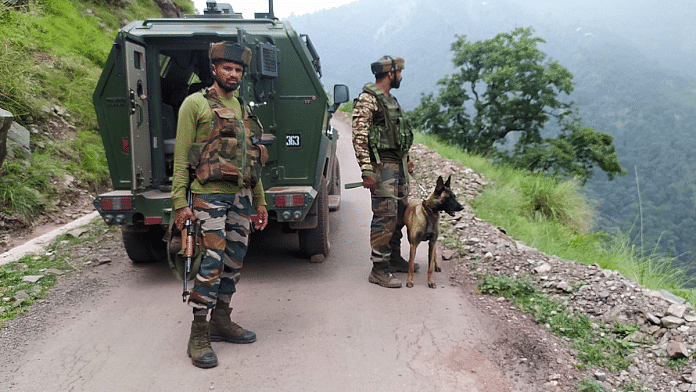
633 75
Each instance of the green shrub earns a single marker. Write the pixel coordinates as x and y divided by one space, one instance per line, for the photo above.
587 385
346 107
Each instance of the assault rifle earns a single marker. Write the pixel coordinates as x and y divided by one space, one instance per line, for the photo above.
187 236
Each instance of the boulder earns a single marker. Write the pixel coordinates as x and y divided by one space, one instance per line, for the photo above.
18 137
6 119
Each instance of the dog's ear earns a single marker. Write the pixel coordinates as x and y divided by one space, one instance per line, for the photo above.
447 183
440 185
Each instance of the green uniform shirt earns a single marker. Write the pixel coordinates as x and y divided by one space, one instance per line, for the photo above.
194 125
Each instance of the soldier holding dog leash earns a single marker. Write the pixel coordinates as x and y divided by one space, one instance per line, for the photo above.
381 139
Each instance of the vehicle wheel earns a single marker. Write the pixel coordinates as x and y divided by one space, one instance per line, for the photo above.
335 186
316 241
144 244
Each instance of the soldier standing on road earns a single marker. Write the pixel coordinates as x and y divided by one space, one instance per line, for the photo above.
381 139
226 188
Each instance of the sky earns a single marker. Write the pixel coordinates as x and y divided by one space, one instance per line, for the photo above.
281 8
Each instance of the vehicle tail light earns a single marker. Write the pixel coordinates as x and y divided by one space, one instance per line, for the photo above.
116 203
289 200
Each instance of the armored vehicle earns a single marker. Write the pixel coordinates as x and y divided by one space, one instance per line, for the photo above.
154 64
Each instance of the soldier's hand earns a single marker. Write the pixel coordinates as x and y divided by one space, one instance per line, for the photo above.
181 215
263 218
410 166
369 182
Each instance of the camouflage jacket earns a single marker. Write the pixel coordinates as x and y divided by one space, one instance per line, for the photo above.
372 137
380 132
363 111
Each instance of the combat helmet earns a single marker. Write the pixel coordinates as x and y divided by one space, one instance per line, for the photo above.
387 64
230 51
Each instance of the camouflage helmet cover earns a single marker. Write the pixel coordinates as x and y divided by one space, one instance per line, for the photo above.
387 64
230 51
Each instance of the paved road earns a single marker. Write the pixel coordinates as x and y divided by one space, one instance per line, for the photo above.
320 327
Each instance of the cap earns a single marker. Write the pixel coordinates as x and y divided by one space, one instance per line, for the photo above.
230 51
387 64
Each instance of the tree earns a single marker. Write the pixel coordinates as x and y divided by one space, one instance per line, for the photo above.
499 102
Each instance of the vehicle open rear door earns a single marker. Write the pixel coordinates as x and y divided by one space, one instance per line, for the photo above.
139 121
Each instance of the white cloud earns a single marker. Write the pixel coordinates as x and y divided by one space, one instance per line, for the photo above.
281 8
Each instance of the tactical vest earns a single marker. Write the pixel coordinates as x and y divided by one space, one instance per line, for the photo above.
229 153
394 133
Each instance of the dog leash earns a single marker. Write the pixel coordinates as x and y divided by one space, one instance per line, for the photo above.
380 188
418 183
385 192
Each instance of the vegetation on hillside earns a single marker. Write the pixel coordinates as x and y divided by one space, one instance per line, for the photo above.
501 98
557 218
51 55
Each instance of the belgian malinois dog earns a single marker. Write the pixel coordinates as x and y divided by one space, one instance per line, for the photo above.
422 224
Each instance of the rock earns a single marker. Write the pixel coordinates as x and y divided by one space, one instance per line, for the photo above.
652 319
671 321
676 310
78 232
318 258
472 241
543 268
32 278
447 254
676 350
21 295
18 140
672 298
169 9
6 119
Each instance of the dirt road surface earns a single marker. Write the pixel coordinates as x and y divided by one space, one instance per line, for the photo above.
320 327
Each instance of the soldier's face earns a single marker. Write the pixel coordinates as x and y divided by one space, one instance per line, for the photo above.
228 75
396 81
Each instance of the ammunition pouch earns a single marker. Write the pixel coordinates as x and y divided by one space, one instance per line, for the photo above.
394 132
229 153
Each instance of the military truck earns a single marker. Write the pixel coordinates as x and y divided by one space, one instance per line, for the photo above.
154 64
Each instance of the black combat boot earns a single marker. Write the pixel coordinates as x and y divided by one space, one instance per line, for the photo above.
399 264
199 348
223 329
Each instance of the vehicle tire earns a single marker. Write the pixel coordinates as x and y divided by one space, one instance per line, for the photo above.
144 244
316 241
335 186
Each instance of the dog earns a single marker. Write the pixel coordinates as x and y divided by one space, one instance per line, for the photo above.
422 220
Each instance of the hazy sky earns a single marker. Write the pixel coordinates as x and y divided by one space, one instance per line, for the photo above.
281 8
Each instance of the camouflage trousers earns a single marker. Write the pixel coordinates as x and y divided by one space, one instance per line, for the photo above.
225 224
388 213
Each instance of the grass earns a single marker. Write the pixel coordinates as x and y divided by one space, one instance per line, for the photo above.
597 346
51 54
587 385
557 218
61 257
